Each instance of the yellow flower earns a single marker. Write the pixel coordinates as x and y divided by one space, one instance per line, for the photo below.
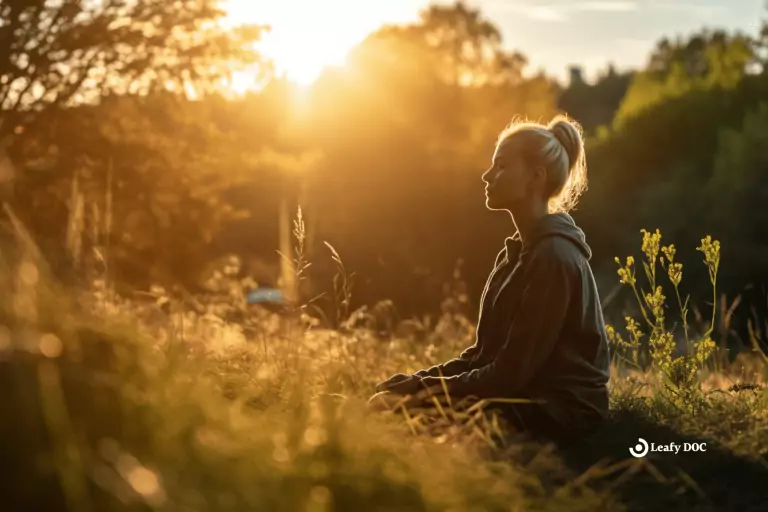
711 250
633 328
704 349
656 301
626 273
669 252
662 348
651 244
675 272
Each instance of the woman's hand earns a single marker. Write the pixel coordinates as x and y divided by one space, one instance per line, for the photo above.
392 381
409 386
391 400
422 388
386 401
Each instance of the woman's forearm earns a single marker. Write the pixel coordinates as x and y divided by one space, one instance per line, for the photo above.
450 368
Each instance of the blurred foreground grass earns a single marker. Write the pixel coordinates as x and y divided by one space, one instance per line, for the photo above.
111 404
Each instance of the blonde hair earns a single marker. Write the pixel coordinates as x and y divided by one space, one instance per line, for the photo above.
558 147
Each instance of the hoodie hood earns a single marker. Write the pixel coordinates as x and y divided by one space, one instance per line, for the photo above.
554 224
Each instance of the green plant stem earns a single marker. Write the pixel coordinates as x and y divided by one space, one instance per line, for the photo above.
642 308
684 314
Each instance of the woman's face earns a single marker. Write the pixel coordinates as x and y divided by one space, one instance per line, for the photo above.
508 182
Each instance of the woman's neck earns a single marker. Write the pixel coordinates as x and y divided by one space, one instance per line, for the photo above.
525 218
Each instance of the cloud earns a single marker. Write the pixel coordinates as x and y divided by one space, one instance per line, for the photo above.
545 13
691 8
635 43
556 12
607 6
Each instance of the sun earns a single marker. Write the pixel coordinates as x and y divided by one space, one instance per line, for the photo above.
301 52
309 35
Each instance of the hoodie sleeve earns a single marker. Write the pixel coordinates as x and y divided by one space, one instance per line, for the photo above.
455 366
533 332
463 363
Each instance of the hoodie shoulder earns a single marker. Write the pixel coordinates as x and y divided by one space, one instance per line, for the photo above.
561 250
561 226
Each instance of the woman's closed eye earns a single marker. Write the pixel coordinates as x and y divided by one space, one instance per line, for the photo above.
493 173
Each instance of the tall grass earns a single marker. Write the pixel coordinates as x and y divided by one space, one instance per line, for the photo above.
122 405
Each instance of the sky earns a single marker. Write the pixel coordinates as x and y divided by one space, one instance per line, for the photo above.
554 34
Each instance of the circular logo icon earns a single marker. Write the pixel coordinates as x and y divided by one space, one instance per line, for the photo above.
640 449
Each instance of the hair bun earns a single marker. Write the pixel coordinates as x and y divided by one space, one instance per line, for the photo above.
568 133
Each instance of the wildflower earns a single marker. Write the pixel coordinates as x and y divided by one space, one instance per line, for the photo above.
633 328
704 349
613 336
711 250
627 273
662 348
656 301
669 252
651 244
675 272
674 269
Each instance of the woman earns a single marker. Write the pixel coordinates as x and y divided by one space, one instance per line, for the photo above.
541 333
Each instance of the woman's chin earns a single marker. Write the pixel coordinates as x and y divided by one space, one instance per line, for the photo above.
491 204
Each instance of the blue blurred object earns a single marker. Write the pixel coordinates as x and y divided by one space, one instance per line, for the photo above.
266 296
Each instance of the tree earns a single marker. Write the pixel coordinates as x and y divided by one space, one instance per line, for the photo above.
595 105
60 53
709 59
737 191
159 167
465 48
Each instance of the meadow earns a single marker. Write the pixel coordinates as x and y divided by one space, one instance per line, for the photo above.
154 403
150 159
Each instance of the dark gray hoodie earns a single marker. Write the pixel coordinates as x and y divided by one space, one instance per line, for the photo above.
540 332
